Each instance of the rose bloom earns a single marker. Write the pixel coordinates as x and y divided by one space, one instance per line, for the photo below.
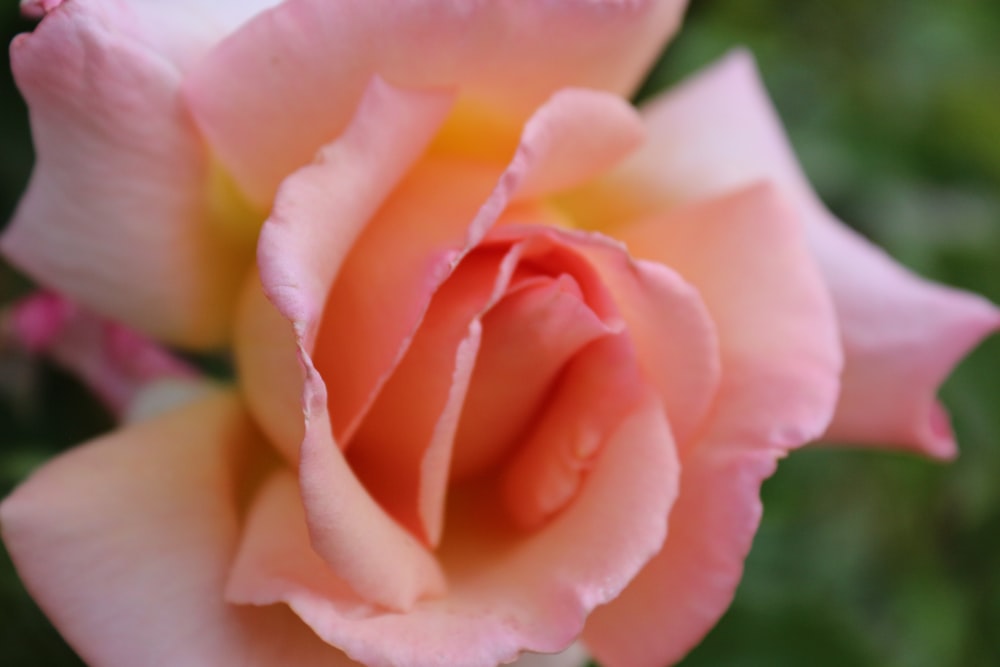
513 359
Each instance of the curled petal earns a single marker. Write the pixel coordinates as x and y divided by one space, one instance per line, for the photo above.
585 133
355 537
319 214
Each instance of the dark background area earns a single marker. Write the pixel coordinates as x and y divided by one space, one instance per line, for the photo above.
864 558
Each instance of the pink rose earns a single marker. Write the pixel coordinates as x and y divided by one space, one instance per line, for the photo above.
526 353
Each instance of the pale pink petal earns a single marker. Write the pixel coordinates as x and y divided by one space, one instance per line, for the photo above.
126 544
181 31
780 367
114 362
901 335
184 31
507 593
299 69
118 213
747 257
675 339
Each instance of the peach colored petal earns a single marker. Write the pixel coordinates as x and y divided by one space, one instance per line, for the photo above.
407 251
545 472
780 367
441 210
403 450
680 595
528 338
299 68
506 593
902 335
676 342
115 148
126 543
319 213
356 538
747 257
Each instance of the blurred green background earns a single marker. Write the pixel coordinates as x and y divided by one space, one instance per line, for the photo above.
864 558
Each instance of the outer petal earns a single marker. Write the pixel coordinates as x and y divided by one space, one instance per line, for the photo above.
780 365
299 68
150 514
902 335
118 214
